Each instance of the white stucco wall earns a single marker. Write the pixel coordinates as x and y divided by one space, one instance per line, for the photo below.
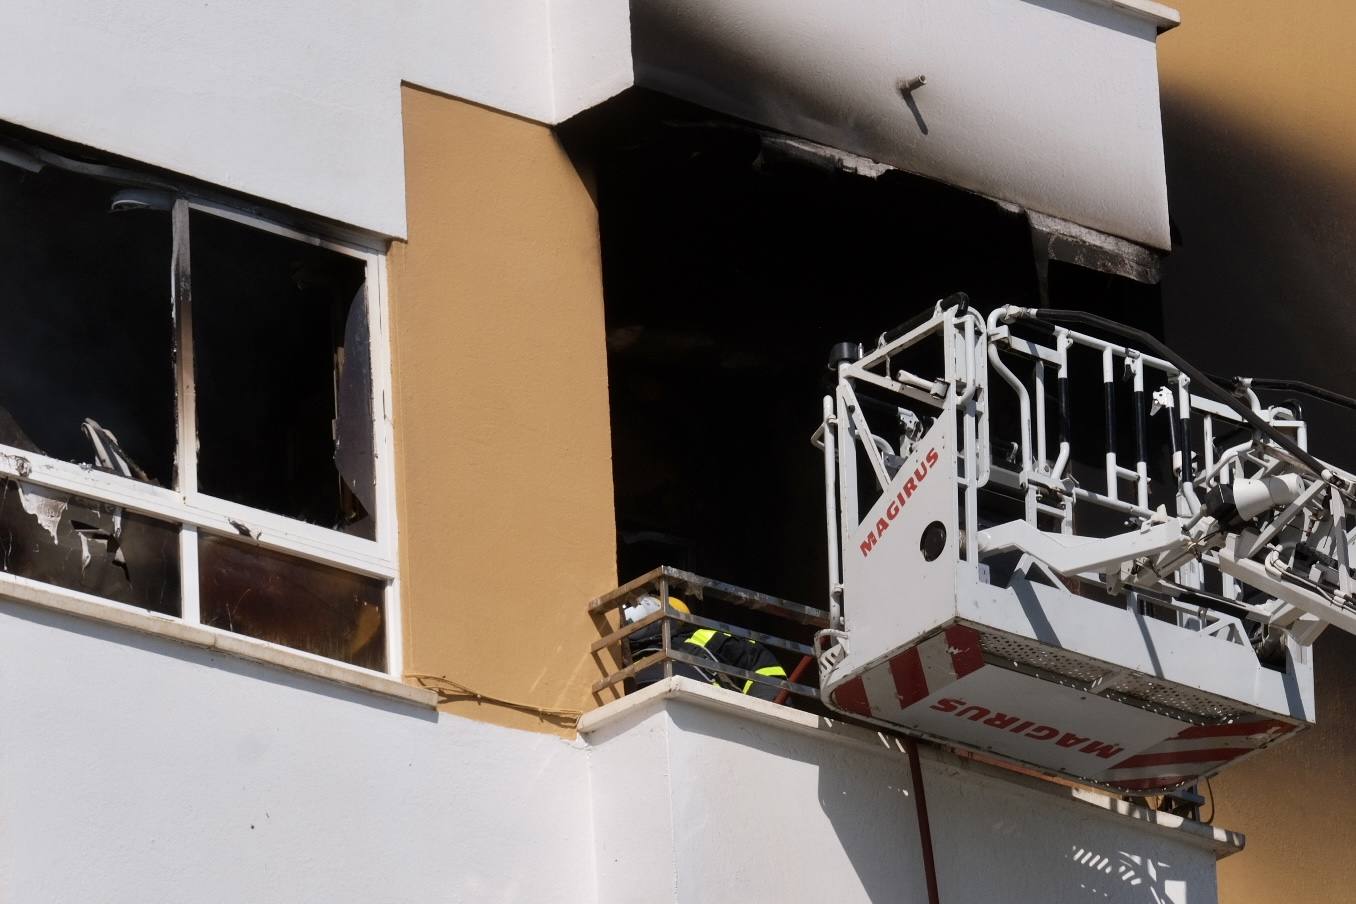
778 808
135 769
296 101
1052 104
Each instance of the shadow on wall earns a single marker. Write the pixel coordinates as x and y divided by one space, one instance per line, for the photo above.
994 841
1261 280
1264 283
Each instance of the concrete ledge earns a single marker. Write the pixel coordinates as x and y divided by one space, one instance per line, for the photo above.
1221 842
82 605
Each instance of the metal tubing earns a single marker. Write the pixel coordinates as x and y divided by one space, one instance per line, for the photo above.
971 434
666 629
1023 399
770 640
847 462
1118 505
1062 343
625 631
785 693
831 511
711 665
1141 433
1184 415
1109 397
864 437
1038 378
1185 486
920 806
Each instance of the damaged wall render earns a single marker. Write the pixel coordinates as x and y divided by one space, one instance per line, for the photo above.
505 491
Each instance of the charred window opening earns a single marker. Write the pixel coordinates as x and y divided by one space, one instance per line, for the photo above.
88 323
293 602
732 264
734 259
186 405
283 383
90 546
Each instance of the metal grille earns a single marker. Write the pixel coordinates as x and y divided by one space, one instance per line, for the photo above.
1134 689
1155 694
1039 656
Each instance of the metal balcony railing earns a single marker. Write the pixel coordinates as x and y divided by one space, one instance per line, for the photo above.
782 616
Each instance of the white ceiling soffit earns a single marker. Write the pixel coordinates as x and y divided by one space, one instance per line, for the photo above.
1049 104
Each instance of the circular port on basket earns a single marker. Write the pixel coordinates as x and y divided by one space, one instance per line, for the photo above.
933 540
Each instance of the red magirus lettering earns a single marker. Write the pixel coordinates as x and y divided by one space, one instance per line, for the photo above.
892 510
1105 751
1000 721
973 713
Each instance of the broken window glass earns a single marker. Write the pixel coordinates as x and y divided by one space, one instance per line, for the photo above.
283 375
282 387
292 601
87 342
90 546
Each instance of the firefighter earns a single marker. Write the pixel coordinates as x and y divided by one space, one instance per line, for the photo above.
718 646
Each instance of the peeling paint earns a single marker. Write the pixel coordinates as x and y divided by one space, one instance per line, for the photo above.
46 505
16 464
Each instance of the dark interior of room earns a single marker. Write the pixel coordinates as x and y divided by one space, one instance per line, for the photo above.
731 266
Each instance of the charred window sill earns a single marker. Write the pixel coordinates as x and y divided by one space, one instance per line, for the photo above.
68 602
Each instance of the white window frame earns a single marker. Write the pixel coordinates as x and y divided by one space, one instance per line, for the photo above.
197 513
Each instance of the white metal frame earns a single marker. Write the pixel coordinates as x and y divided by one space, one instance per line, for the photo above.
1158 560
198 513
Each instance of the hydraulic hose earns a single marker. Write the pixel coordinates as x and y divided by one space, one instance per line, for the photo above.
1309 389
1045 317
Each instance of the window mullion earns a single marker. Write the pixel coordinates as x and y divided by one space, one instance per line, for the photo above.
186 441
383 445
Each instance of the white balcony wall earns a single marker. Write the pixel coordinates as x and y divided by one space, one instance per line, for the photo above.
701 796
137 768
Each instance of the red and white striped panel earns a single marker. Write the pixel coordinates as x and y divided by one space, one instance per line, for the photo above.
1195 751
885 691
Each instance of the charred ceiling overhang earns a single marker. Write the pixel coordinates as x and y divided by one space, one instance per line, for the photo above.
1051 237
642 119
1051 105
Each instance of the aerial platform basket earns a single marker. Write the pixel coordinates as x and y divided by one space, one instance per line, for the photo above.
984 598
